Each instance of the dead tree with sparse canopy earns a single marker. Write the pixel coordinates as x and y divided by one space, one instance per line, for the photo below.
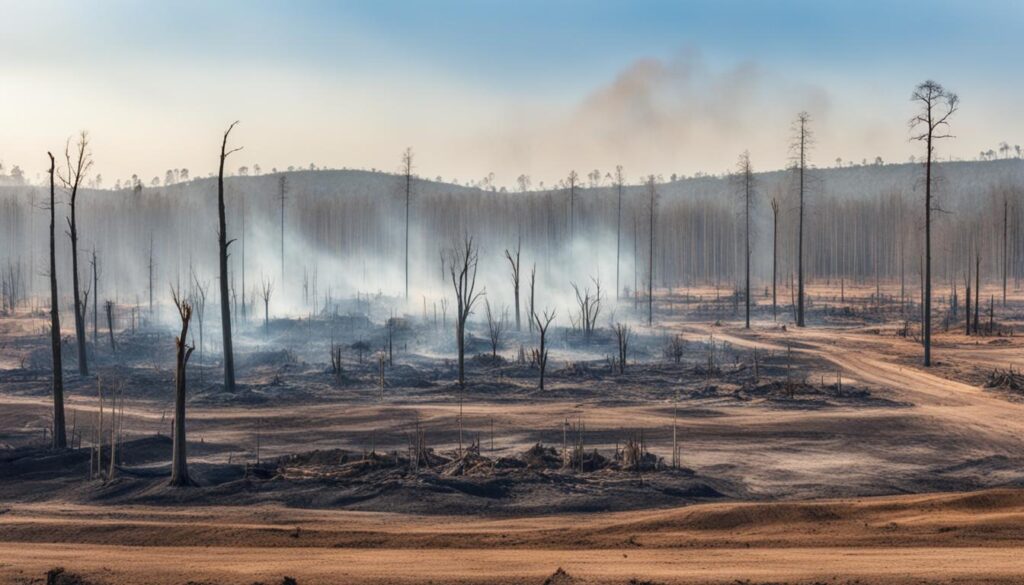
223 243
179 465
931 124
59 432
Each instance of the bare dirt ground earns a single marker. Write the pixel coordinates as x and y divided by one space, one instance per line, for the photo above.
827 455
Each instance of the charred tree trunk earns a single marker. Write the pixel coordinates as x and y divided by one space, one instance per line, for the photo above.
514 262
179 465
775 254
223 243
59 432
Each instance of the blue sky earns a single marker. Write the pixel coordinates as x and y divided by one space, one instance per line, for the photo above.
478 86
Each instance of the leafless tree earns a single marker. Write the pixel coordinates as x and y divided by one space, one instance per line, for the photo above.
283 188
514 264
496 327
223 243
95 296
653 196
109 306
60 439
540 355
462 264
801 143
775 254
200 289
266 290
407 157
932 123
179 466
531 313
622 335
744 177
77 167
589 307
571 181
620 182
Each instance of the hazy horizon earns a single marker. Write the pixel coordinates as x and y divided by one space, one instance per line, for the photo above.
476 88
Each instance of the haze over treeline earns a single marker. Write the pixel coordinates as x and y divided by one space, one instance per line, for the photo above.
343 233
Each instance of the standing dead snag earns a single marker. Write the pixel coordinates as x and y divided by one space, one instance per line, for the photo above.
266 290
590 308
179 466
802 140
407 173
937 106
650 257
622 334
495 327
223 243
109 306
540 355
745 177
775 253
531 312
619 183
59 433
514 262
72 178
462 265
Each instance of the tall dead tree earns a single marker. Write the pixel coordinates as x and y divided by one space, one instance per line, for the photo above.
407 157
745 180
283 185
179 466
514 264
496 327
223 243
266 290
571 181
532 311
151 274
775 253
60 439
462 264
653 196
95 295
540 355
619 184
109 306
77 166
802 140
1006 256
932 123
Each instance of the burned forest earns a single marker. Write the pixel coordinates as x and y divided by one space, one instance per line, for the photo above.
672 338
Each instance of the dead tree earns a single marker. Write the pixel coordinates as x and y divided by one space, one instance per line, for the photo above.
589 306
775 253
619 184
407 157
462 263
179 466
622 335
266 290
109 306
1006 212
540 355
282 185
514 264
496 327
977 292
72 177
652 194
59 432
150 266
223 243
531 313
745 178
571 182
802 141
199 309
932 123
95 295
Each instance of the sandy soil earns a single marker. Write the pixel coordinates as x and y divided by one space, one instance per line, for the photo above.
810 486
